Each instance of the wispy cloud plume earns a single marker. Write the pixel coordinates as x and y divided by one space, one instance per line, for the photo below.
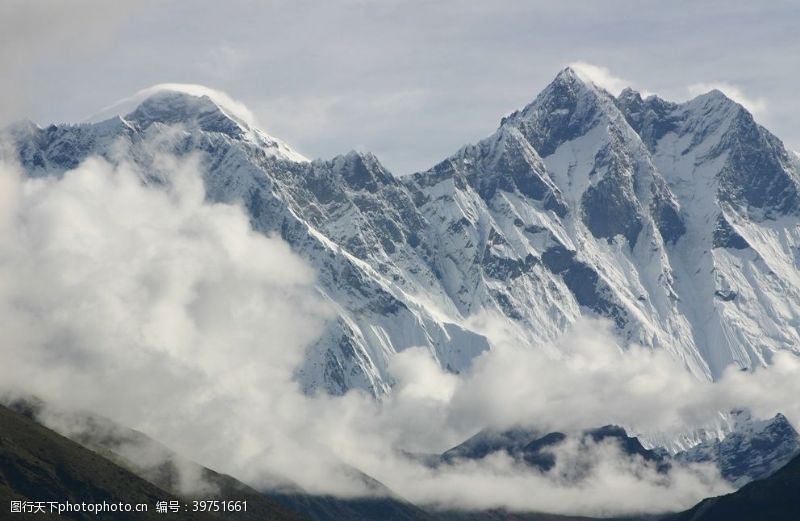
600 76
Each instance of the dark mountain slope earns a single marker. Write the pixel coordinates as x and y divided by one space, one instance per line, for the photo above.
105 441
37 464
776 498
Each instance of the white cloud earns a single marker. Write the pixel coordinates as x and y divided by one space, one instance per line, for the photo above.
756 106
600 76
151 306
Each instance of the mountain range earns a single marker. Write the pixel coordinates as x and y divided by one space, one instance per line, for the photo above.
678 222
752 450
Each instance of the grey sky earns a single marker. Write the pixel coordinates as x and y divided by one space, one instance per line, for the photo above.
411 81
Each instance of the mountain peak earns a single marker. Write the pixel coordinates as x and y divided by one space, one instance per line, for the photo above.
628 94
362 170
200 107
717 99
573 80
567 74
360 155
176 107
570 85
570 91
564 110
224 103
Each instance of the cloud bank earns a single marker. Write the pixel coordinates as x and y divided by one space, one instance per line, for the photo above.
145 303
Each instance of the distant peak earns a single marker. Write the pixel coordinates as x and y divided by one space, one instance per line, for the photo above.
566 85
358 159
779 418
360 155
718 98
716 94
569 76
630 102
362 170
629 94
571 81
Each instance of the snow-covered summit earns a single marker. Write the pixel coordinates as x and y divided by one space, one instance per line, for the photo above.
174 107
195 106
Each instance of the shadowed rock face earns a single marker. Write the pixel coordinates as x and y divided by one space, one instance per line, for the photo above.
585 284
668 220
608 211
756 173
652 119
651 198
511 165
726 237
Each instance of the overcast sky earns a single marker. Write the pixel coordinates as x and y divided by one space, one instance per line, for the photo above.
411 81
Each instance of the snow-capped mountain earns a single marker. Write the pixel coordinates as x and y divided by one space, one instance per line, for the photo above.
753 449
679 222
